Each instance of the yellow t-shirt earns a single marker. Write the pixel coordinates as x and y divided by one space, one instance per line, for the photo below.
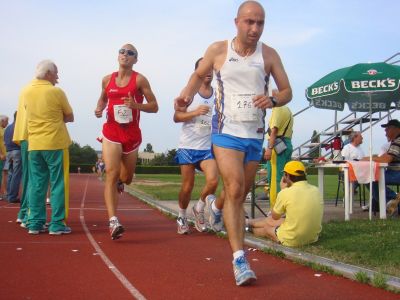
303 205
2 145
20 128
280 118
46 106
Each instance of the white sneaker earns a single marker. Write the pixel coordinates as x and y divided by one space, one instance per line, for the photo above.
183 227
199 221
215 219
116 229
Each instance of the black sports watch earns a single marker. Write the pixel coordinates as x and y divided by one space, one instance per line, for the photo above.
273 100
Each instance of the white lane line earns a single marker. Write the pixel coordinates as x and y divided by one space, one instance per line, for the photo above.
134 292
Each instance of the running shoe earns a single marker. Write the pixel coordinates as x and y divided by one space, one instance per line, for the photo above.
65 230
183 226
35 231
199 220
391 206
116 229
120 187
18 221
215 219
243 274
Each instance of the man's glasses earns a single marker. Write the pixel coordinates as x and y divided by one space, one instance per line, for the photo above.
128 52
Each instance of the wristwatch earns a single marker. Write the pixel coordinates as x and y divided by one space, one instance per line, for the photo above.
273 100
270 147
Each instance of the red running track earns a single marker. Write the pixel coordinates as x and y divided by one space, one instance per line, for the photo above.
151 261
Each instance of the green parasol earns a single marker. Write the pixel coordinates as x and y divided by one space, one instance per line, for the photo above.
365 87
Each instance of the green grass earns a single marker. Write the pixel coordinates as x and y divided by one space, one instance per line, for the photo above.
170 189
371 244
362 277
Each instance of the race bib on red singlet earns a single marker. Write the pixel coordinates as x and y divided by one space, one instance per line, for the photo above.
122 114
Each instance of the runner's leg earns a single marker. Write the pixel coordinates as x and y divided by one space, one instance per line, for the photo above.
112 153
230 165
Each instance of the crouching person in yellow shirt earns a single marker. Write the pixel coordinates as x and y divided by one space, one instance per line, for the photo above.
47 111
296 217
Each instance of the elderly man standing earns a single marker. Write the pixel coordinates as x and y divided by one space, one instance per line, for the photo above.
392 155
13 163
242 66
3 153
47 111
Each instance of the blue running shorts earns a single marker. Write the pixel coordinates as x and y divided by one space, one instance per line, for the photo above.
192 157
252 148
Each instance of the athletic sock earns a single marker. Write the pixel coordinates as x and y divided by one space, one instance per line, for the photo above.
238 254
200 205
182 212
113 219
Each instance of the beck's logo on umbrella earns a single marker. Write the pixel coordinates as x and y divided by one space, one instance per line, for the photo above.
364 87
372 72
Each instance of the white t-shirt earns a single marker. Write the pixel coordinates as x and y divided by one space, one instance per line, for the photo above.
350 152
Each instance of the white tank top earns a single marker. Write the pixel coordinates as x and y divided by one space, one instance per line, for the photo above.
196 133
238 81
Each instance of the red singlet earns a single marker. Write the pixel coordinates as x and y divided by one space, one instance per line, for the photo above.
122 124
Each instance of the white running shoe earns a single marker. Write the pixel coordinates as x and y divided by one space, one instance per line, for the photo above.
183 226
199 220
116 229
215 219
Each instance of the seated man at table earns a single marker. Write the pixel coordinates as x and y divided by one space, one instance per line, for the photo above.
352 150
392 177
302 205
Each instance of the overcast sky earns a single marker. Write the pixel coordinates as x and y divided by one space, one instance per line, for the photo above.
313 38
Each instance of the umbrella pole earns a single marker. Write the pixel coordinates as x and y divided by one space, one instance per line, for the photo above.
370 157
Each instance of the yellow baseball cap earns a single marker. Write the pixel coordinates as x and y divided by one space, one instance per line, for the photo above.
295 168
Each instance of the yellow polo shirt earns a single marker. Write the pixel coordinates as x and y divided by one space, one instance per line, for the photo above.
46 106
20 128
303 205
280 118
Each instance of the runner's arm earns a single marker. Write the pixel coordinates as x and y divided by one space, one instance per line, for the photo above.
197 77
184 116
102 102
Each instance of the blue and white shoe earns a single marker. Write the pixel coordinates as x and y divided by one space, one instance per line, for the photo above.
243 274
65 230
215 219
